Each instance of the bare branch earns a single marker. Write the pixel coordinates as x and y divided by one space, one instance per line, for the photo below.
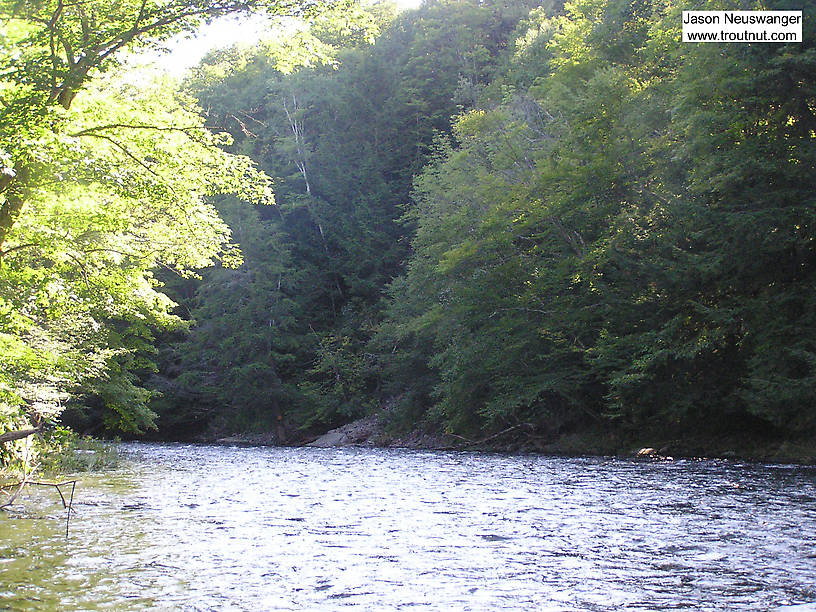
94 131
125 150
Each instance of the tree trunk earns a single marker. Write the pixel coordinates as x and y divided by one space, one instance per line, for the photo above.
18 434
15 199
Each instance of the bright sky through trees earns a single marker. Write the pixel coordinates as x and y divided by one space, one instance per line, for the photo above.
185 52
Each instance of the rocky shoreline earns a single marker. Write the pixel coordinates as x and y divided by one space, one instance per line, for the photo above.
371 431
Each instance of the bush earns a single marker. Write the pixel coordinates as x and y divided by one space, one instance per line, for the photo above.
64 451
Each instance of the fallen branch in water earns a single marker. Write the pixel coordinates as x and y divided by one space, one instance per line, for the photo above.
69 505
20 486
488 438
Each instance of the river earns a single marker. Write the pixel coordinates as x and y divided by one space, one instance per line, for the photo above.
187 527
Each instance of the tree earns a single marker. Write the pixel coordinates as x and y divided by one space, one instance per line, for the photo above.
625 239
342 140
101 182
52 49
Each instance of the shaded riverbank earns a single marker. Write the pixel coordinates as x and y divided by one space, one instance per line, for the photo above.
371 431
374 431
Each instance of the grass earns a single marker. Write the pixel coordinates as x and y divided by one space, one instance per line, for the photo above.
73 453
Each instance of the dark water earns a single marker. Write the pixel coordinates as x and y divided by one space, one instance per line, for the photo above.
214 528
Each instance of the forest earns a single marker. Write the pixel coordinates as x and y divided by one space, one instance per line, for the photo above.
526 216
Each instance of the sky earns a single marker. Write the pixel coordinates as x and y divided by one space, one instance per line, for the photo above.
186 52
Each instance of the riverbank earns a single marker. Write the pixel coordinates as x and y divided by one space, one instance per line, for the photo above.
373 431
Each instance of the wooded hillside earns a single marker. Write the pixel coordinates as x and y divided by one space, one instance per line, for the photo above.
486 215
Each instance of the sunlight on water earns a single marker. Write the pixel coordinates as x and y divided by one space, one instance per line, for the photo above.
213 528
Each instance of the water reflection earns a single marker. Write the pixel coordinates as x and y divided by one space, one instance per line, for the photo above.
206 528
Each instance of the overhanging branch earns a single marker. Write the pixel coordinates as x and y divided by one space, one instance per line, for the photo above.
18 434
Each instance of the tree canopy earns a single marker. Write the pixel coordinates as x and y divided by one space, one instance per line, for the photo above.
606 228
106 177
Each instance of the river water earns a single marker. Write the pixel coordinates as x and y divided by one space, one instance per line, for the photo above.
183 527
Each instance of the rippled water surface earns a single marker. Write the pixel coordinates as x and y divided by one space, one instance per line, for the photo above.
216 528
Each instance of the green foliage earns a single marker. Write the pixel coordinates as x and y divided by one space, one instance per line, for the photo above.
235 362
103 178
65 452
618 229
632 238
123 190
338 387
342 141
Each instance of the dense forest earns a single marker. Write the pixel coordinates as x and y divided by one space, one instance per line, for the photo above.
475 217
